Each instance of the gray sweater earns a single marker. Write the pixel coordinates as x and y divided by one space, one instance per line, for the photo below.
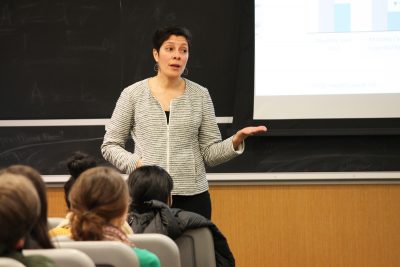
182 147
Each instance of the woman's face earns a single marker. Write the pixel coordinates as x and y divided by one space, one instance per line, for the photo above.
172 57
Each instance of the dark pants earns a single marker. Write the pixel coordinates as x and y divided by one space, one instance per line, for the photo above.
200 203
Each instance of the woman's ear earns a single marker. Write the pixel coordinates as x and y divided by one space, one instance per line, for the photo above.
155 54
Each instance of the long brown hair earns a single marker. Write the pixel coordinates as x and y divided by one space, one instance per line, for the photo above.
99 196
39 232
19 210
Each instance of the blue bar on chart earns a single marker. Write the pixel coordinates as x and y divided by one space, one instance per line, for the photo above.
393 15
342 17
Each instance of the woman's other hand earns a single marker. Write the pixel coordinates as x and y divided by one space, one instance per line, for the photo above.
138 163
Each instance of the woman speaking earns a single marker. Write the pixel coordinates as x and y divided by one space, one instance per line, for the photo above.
172 122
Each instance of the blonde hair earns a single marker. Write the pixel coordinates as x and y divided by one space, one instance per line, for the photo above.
19 209
99 196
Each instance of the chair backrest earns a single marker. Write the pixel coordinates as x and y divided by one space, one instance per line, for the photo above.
105 253
196 248
161 245
52 222
8 262
63 257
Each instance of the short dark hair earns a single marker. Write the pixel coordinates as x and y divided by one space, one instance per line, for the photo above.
162 34
77 163
148 183
80 162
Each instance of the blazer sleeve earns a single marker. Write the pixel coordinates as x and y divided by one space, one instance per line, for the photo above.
213 149
117 132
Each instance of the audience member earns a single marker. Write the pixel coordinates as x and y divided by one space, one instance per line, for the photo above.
76 164
99 205
150 190
19 211
39 237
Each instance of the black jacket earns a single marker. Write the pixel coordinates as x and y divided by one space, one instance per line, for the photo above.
159 218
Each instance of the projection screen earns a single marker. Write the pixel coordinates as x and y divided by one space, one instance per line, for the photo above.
333 59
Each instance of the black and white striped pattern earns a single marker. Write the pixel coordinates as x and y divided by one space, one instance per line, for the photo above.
182 147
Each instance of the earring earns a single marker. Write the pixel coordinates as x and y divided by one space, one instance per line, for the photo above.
155 68
185 72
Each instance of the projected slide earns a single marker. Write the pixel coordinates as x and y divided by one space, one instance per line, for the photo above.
327 59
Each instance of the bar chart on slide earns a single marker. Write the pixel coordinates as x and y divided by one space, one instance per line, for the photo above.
359 15
326 49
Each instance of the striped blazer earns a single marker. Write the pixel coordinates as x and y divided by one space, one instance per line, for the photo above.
183 146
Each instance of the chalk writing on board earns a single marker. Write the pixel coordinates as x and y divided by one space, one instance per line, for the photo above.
36 95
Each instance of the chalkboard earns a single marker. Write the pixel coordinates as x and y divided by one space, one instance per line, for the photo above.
317 154
214 51
48 148
71 59
59 59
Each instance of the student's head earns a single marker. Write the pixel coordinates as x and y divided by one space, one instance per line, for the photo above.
147 183
98 198
19 211
171 50
77 163
39 233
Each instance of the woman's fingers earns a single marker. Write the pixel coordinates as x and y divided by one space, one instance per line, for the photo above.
252 130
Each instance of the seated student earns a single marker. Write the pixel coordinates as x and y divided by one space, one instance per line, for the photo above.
99 206
150 190
39 238
77 163
19 210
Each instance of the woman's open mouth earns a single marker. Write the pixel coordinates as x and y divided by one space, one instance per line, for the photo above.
175 66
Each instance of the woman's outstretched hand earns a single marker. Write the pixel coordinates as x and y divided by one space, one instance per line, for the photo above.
242 134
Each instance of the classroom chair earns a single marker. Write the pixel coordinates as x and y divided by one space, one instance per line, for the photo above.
63 257
196 248
8 262
161 245
104 253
